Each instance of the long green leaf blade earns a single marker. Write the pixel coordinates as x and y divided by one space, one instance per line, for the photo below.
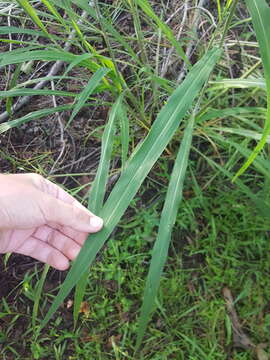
33 116
260 13
124 131
54 11
33 92
137 169
18 30
97 192
167 221
13 57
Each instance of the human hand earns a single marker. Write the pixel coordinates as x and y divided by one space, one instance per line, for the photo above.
41 220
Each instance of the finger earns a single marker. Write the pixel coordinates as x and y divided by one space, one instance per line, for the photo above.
43 252
59 241
54 190
78 236
61 213
59 193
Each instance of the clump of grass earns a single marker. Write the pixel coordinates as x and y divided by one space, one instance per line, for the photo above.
181 111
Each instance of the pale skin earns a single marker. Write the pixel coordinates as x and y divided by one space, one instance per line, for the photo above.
41 220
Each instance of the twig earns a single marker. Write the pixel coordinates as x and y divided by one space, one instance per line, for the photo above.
240 339
61 126
167 62
92 153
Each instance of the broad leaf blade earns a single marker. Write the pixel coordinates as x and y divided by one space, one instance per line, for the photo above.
137 169
167 221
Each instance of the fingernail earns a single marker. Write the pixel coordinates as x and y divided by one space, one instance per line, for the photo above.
96 222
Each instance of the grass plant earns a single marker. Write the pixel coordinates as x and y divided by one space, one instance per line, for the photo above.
173 215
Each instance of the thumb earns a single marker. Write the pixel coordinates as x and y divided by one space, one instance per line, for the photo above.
73 215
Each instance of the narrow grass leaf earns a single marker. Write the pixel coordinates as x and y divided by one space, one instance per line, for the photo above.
19 56
38 291
224 113
137 168
80 290
167 221
219 11
54 11
33 92
17 52
97 192
241 83
260 13
242 132
12 84
84 95
146 7
4 30
34 116
124 134
13 57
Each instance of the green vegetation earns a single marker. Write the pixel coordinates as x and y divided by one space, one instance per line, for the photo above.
175 97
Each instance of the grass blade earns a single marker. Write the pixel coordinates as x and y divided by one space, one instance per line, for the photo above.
97 192
12 85
167 221
124 130
242 132
34 116
32 92
137 168
4 30
241 83
53 10
236 111
17 56
38 291
84 95
260 13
